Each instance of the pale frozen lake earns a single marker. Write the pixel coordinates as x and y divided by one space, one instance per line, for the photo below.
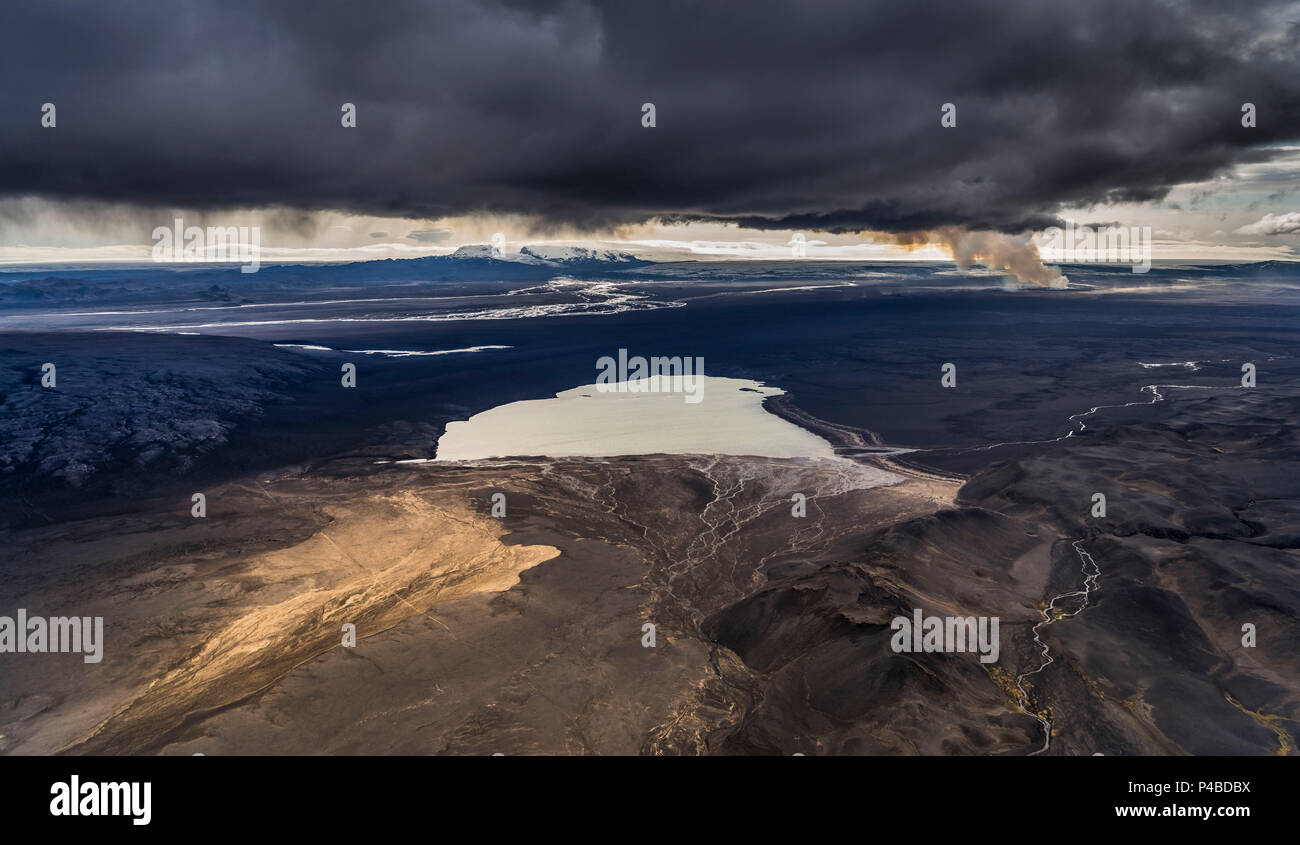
728 420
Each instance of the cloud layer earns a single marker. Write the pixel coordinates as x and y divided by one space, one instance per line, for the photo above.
816 116
1274 224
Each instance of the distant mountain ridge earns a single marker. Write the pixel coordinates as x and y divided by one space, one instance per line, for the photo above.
474 262
548 255
534 264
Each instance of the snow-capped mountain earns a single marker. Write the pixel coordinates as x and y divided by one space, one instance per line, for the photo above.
577 255
559 256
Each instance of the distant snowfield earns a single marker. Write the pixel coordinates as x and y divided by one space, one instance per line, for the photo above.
728 420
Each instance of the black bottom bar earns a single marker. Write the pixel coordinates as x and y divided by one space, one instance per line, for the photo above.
872 795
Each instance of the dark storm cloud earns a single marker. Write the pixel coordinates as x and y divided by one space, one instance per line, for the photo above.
816 115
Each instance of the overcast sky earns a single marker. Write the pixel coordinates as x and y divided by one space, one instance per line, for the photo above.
526 118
